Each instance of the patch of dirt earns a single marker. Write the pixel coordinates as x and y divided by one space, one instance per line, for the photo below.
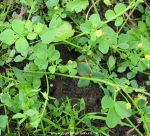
65 87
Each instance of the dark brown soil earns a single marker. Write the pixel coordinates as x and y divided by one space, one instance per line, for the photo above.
68 87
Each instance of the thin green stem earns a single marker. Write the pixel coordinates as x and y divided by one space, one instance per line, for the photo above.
72 44
8 8
8 130
7 78
140 112
134 127
127 19
46 99
107 82
43 129
95 8
121 13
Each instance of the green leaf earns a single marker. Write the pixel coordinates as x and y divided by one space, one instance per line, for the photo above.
22 46
18 26
95 20
58 33
109 14
122 68
8 36
110 35
19 58
47 37
142 26
86 27
83 68
106 100
112 118
122 109
29 26
134 83
63 32
51 3
104 46
118 21
3 122
77 5
120 7
6 99
111 62
38 28
53 54
18 116
82 104
83 83
71 66
107 2
141 103
31 36
42 55
52 69
123 45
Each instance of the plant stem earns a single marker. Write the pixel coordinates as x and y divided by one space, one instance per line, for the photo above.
8 130
134 127
127 19
95 8
72 44
8 8
46 100
121 13
91 79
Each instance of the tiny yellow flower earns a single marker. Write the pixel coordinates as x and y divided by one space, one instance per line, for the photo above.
140 45
147 57
141 96
99 33
70 62
56 7
128 105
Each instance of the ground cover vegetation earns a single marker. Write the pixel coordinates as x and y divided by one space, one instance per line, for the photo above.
100 43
